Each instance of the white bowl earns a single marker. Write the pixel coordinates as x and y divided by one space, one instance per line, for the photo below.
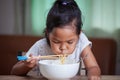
54 70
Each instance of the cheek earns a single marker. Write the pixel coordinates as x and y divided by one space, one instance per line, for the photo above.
71 48
55 48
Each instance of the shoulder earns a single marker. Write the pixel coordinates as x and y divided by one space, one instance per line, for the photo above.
83 41
83 37
41 42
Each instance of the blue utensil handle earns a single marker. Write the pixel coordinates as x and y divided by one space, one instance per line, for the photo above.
22 58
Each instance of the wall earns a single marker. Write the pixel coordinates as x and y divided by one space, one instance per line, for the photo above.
7 15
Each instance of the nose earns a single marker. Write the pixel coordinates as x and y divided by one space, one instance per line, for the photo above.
63 47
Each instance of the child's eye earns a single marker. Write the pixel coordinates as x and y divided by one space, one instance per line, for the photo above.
70 42
57 42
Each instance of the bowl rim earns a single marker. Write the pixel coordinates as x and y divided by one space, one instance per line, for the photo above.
40 62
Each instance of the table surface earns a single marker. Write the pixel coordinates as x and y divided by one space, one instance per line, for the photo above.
13 77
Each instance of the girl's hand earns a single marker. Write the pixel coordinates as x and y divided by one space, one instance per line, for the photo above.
23 67
31 62
94 77
94 73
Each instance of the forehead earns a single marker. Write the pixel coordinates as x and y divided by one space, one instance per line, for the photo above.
65 33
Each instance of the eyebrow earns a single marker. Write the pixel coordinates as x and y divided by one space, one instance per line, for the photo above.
59 40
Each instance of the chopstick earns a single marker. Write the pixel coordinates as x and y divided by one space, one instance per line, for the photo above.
49 56
42 57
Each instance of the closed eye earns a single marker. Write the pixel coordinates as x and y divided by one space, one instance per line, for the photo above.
57 42
70 42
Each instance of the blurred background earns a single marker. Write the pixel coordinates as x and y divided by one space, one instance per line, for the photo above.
101 19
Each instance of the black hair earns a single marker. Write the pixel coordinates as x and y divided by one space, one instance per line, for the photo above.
62 13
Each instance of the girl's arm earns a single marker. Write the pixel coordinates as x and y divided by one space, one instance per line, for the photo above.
23 67
93 70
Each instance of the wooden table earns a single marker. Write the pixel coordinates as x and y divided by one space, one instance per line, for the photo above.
12 77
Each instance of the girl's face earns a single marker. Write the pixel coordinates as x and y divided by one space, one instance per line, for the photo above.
63 40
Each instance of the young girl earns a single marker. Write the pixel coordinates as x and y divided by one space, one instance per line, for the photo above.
63 34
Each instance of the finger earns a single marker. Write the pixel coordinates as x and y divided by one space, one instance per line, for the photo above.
29 59
33 61
99 78
94 78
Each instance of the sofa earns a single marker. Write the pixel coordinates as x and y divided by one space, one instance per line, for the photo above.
104 50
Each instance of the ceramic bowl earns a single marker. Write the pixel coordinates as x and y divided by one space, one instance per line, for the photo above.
54 70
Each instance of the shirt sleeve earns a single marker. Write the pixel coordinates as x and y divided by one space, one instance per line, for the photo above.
84 42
